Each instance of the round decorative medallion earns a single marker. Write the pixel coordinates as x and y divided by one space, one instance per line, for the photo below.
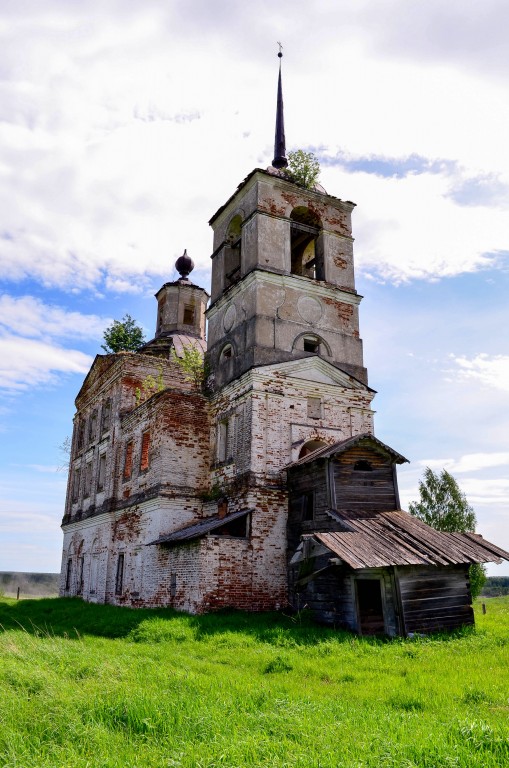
229 318
309 309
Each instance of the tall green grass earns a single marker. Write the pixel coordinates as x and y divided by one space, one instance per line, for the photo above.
96 686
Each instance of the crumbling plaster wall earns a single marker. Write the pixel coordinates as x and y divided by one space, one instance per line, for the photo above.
269 414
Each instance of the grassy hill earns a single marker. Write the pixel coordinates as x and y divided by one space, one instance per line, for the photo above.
103 687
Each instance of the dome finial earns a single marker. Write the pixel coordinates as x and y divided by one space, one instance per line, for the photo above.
280 160
184 265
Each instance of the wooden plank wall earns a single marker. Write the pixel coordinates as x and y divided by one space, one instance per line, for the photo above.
435 599
361 490
310 478
331 597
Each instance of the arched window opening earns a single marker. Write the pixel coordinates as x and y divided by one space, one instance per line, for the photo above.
226 353
311 446
232 251
362 466
306 248
307 342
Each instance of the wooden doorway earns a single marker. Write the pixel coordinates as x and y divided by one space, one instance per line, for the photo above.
370 608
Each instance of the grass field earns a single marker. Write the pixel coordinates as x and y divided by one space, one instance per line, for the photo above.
85 685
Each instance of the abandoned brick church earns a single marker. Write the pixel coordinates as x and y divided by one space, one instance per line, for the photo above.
267 487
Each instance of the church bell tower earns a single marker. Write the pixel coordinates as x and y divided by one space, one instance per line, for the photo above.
282 275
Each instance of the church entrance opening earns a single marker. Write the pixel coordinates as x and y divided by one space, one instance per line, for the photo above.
370 607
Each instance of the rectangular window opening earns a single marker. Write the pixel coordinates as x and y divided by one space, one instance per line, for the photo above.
308 506
68 574
80 575
311 345
81 436
92 427
188 314
76 485
88 479
145 445
119 579
128 460
102 472
106 416
238 528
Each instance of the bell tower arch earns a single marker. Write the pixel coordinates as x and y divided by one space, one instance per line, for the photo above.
282 272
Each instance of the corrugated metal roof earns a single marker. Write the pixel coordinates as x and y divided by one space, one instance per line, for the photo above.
398 538
197 530
342 445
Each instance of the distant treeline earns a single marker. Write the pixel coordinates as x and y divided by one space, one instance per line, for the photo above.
46 584
496 586
30 584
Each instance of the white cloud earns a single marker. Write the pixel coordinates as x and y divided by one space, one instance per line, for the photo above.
29 316
471 462
492 371
120 140
27 363
410 228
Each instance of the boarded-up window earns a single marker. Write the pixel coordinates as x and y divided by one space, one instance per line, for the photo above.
92 427
76 484
68 574
88 479
102 472
145 445
81 566
106 416
223 435
81 436
128 460
314 407
119 579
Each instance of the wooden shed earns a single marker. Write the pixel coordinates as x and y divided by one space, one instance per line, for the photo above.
358 561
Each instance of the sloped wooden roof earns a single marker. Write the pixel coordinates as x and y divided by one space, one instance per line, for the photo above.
199 529
343 445
398 538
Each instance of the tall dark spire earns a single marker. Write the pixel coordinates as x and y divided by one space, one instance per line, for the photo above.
280 160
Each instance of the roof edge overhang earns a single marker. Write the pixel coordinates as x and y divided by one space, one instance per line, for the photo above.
343 445
199 529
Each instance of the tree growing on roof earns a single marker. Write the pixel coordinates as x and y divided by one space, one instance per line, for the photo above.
191 363
444 506
303 168
123 336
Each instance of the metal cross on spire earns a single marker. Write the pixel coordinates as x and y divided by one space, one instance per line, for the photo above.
280 160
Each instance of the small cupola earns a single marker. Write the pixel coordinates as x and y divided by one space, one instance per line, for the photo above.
181 304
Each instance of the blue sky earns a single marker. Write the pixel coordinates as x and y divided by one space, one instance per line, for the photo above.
125 125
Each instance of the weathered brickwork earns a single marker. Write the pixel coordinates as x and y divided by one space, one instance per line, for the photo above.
157 464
